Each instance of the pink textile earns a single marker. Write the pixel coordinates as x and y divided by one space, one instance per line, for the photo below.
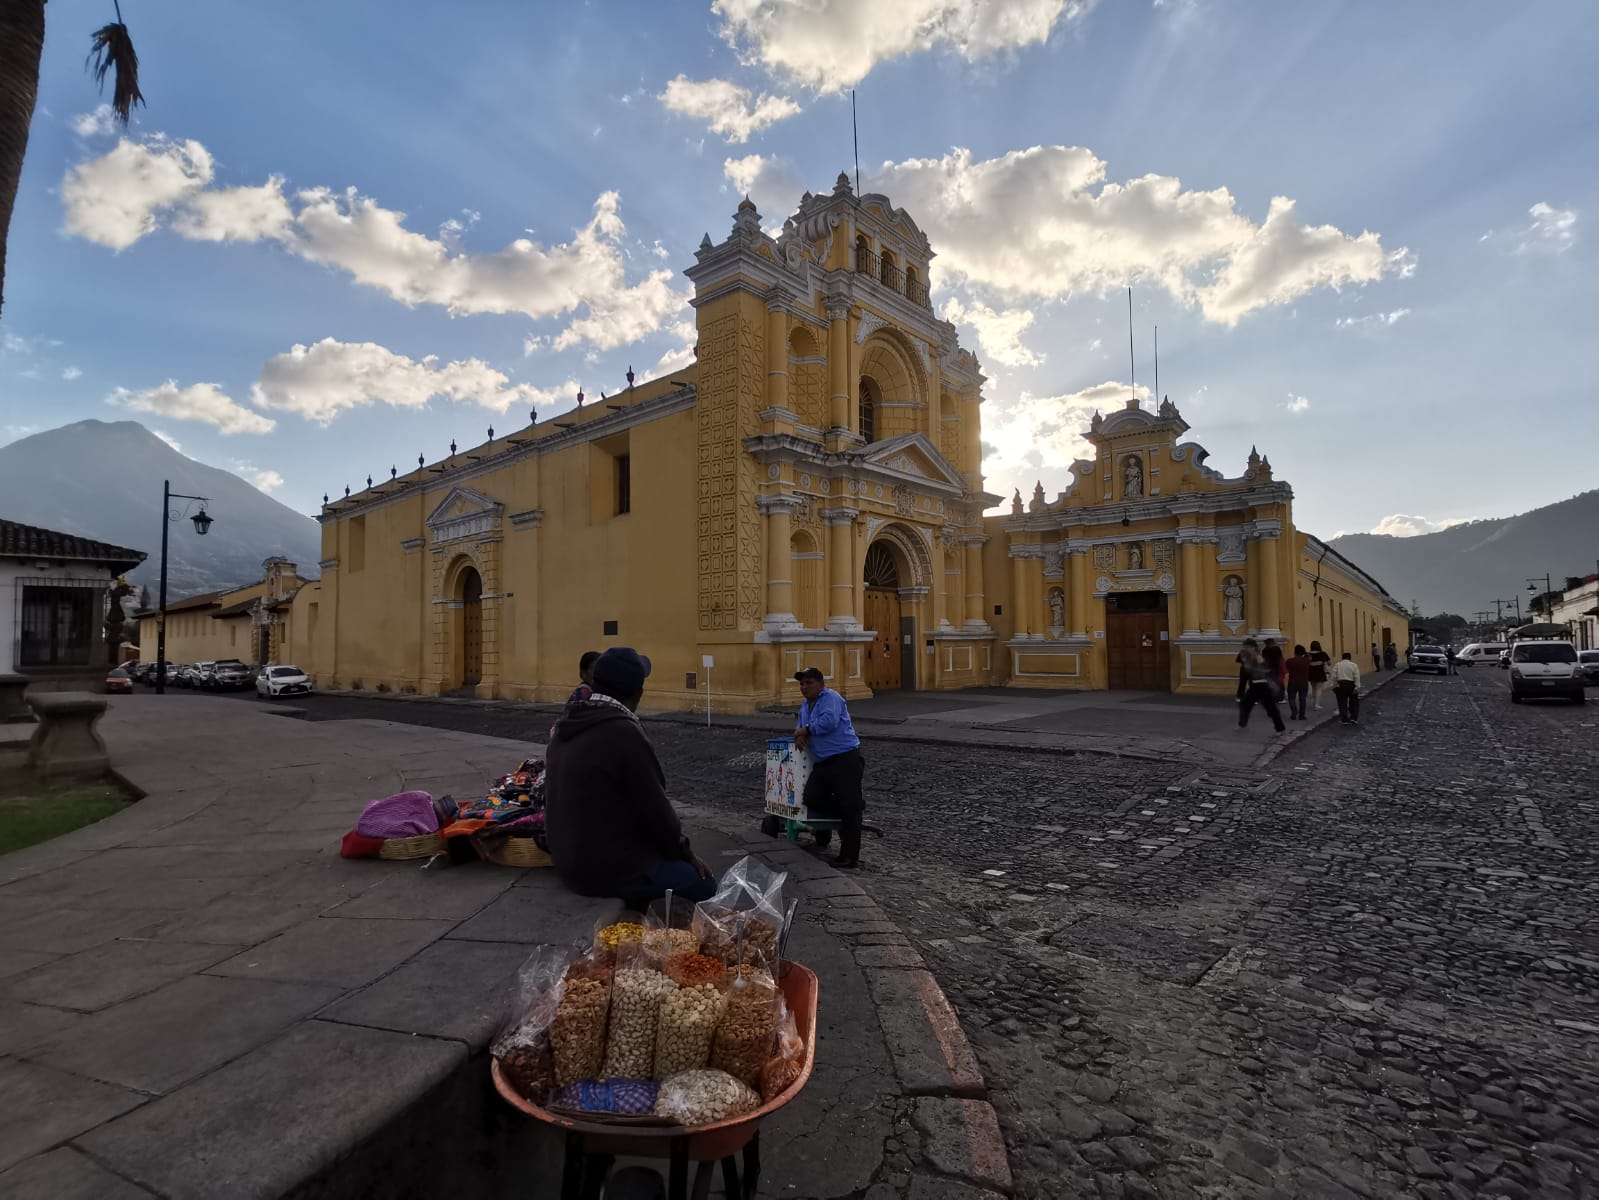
407 814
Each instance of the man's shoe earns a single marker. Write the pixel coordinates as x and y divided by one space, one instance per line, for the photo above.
847 864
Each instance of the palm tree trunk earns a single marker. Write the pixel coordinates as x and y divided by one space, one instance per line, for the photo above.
21 47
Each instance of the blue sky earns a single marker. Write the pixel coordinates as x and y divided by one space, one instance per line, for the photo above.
1402 341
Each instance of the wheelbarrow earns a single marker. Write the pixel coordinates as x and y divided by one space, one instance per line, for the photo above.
594 1143
787 769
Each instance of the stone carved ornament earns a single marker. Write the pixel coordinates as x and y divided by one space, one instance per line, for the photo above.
1132 477
1104 558
1135 556
1232 608
1057 609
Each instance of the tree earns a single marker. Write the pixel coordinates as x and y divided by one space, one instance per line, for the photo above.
21 48
115 615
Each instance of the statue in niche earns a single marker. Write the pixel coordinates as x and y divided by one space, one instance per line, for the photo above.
1232 591
1132 477
1135 557
1057 609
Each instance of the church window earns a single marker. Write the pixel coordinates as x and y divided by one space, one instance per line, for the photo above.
868 409
889 273
915 289
863 255
624 484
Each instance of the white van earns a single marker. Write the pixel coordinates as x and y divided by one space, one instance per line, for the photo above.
1481 654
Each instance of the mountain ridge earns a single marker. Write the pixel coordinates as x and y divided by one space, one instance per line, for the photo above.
102 479
1465 568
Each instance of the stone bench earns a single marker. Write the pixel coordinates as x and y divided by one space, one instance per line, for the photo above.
12 705
66 744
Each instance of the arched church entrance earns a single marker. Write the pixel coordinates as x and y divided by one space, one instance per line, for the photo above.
469 619
1137 652
889 664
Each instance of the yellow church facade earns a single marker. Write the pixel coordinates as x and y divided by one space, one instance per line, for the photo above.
808 492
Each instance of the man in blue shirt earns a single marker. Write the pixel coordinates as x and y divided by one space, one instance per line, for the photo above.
834 788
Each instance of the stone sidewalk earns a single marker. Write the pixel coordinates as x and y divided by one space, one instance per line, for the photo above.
199 998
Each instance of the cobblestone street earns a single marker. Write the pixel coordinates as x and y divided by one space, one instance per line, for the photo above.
1369 970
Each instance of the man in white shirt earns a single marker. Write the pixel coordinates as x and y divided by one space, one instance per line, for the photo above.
1346 688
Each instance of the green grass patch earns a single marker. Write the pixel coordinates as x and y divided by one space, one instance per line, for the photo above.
31 812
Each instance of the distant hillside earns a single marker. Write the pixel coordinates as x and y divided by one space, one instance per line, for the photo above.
102 479
1465 568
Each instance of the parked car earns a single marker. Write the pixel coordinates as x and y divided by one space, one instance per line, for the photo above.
119 681
1429 658
283 679
1590 666
1539 668
228 675
1479 654
187 675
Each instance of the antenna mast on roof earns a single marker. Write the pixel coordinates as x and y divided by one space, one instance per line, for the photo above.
1132 363
1157 369
855 129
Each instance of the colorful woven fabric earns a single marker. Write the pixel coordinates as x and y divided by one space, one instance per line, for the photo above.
355 846
407 814
625 1097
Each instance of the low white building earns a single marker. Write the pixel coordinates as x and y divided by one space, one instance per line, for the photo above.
1579 607
53 589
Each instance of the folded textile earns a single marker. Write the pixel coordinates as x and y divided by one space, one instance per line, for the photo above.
355 846
463 828
406 814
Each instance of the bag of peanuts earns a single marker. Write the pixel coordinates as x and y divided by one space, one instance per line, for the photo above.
577 1035
750 897
748 1030
784 1067
700 1097
523 1045
668 930
613 935
637 990
690 1015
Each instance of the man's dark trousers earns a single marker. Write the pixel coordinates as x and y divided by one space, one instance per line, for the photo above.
1260 692
834 792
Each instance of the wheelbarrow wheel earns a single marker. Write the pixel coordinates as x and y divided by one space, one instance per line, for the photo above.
824 838
772 826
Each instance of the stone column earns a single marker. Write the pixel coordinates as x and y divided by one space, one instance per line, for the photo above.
841 413
1021 614
1081 568
776 358
1253 611
779 562
1267 600
1192 582
1037 608
841 567
976 602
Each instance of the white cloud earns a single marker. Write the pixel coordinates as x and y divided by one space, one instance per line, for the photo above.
1297 404
323 380
12 343
120 197
15 433
1400 525
102 122
1065 230
999 332
1374 320
831 45
773 183
71 373
725 107
263 478
1551 229
30 373
198 402
1036 438
169 440
113 199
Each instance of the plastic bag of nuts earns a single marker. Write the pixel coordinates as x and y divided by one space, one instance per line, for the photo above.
577 1035
750 894
744 1039
668 930
636 995
690 1015
784 1067
618 934
523 1045
701 1097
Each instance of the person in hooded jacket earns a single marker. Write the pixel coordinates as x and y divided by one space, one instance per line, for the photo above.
612 831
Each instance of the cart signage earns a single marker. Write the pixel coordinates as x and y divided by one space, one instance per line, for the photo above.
787 769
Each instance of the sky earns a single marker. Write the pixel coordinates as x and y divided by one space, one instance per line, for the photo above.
342 236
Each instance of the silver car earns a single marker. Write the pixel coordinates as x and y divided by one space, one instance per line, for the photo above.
1590 666
1429 658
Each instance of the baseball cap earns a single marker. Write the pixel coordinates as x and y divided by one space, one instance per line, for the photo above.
621 672
809 673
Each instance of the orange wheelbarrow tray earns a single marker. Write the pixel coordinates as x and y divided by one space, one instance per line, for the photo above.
591 1139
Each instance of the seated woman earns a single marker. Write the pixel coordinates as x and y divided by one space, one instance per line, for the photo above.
612 831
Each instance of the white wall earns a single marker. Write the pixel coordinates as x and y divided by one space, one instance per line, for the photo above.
12 570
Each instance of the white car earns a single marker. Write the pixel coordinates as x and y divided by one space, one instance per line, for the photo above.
1429 658
1479 654
279 679
1539 668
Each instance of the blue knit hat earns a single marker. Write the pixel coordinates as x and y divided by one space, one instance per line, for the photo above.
621 672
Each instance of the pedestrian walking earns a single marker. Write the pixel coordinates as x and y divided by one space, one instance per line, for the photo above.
1246 657
1376 657
1262 689
1346 688
1390 656
1272 654
1320 664
1454 662
1298 683
1409 652
837 768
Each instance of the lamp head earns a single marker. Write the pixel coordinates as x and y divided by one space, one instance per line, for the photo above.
202 522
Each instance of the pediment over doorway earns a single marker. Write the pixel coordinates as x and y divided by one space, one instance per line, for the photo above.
464 513
913 454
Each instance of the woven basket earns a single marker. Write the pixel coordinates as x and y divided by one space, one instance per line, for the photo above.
425 846
518 852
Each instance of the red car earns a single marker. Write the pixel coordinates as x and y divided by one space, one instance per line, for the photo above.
118 681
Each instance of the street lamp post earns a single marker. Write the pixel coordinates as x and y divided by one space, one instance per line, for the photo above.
1548 587
202 523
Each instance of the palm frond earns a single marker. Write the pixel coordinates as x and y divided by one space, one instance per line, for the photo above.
112 50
